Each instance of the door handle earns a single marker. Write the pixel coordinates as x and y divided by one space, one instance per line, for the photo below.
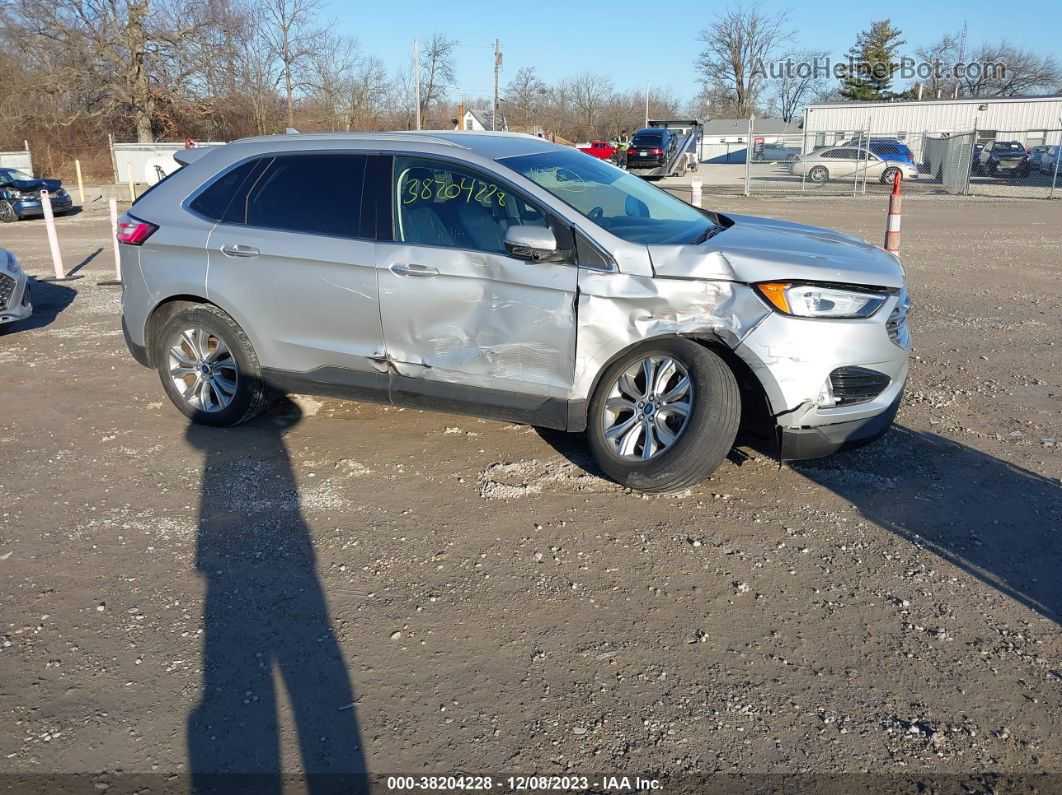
413 269
237 250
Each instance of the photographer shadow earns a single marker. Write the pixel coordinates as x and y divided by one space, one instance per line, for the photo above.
265 621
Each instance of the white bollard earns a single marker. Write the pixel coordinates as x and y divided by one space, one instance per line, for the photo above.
695 186
114 239
53 240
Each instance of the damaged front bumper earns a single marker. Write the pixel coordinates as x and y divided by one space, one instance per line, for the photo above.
15 302
822 440
798 362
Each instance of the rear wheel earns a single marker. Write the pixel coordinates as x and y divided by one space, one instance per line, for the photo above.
664 416
818 174
889 174
208 367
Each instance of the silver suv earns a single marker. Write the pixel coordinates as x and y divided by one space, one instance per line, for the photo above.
504 276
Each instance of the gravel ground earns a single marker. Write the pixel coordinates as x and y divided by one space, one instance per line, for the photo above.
348 586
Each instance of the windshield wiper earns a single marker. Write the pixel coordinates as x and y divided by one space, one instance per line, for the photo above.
708 233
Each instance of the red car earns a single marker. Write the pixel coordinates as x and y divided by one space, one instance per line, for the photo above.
600 149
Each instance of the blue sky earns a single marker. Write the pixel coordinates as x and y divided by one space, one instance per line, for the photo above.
563 38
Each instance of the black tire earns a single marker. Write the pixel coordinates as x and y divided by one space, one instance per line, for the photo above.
702 443
819 174
888 174
7 212
250 394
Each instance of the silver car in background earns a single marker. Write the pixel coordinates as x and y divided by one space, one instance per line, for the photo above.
848 163
504 276
14 291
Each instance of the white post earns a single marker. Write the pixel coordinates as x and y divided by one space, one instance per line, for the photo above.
748 158
53 240
80 182
695 189
113 205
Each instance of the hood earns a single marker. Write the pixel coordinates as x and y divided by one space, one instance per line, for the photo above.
50 185
758 249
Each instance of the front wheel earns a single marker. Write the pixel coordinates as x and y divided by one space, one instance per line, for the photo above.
7 212
208 367
664 416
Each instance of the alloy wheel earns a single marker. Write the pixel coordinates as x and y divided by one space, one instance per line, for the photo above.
7 212
647 408
202 369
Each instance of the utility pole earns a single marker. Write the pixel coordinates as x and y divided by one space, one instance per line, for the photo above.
416 78
497 72
646 103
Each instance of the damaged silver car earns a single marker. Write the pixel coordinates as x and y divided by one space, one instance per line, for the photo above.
503 276
14 291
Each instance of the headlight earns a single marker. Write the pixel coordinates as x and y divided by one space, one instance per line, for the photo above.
821 301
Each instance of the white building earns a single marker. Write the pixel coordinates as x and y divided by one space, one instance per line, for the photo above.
1030 120
727 140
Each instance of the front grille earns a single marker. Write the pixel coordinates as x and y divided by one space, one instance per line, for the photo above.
856 385
897 322
7 289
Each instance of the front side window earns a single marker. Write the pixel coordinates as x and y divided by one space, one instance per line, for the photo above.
625 205
444 204
316 194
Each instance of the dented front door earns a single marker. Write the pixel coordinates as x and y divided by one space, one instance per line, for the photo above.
455 307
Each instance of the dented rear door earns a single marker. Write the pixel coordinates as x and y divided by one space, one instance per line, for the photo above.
456 307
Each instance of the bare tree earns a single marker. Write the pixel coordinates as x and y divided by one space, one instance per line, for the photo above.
110 55
525 94
367 93
437 71
330 73
794 79
292 31
942 55
736 46
1016 72
588 93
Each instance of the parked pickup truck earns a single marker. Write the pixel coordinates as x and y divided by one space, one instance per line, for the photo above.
600 149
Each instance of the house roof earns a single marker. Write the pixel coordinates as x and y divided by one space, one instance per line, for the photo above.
741 126
485 117
942 101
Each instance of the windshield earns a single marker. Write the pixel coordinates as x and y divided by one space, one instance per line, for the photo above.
14 174
625 205
1008 146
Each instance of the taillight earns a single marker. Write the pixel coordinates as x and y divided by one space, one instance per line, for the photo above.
133 232
658 151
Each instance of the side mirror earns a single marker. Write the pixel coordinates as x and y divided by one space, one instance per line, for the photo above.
535 243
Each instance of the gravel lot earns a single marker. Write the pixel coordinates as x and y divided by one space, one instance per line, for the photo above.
425 593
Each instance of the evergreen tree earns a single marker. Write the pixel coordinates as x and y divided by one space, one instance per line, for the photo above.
872 61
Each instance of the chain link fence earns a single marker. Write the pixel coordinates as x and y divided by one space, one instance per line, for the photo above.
1019 164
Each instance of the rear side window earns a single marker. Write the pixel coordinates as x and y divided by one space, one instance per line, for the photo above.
213 201
314 194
